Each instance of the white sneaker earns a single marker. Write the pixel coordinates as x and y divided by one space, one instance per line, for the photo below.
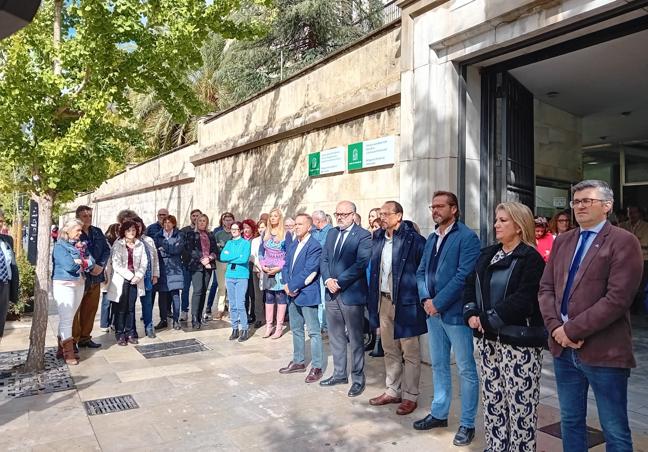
105 330
183 316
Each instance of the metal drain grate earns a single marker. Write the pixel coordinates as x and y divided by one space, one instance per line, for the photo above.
594 436
56 376
173 348
110 405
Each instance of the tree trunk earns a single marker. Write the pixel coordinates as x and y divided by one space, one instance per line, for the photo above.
58 9
36 357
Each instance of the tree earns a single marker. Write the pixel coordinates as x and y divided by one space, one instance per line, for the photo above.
64 83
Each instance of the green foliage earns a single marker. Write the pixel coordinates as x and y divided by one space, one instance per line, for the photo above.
66 129
26 290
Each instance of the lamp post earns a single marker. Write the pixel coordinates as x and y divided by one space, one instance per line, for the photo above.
15 14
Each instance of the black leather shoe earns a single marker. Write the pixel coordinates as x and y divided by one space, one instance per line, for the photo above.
464 436
234 335
356 389
429 422
89 344
332 381
195 322
243 336
162 325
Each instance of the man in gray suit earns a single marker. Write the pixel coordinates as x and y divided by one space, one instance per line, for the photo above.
343 267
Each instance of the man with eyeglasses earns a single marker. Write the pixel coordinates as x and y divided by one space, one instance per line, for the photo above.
154 229
343 267
639 228
394 306
585 296
450 255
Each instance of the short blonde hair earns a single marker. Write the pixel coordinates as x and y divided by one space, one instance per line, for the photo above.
523 218
65 230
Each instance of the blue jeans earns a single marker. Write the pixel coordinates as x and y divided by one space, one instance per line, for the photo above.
441 337
147 310
171 299
106 315
211 296
298 316
236 289
186 275
610 387
321 309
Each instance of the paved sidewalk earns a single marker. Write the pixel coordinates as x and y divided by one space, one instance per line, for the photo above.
232 398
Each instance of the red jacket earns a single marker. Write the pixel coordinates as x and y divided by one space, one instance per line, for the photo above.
601 295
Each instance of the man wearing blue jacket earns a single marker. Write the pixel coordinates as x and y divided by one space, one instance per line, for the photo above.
450 255
394 306
96 246
301 276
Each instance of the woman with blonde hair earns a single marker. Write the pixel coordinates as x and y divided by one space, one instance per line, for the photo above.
501 306
201 246
68 284
272 256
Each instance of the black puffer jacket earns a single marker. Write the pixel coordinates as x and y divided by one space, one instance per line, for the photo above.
508 306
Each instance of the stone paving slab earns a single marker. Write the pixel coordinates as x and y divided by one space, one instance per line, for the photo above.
232 398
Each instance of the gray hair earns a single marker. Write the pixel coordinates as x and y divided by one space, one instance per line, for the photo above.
65 230
604 189
320 215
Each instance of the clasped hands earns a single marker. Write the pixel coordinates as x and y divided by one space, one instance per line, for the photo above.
561 338
288 292
332 285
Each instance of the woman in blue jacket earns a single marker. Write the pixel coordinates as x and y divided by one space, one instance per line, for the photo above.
69 264
237 254
170 244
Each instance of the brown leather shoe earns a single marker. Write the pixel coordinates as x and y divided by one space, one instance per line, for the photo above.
292 368
314 375
384 399
406 407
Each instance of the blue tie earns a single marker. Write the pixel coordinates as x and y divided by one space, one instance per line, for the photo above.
584 236
338 246
4 271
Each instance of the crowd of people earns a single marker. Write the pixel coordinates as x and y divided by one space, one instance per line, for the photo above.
568 283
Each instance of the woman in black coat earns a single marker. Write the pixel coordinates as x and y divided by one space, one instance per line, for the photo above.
170 245
501 305
200 245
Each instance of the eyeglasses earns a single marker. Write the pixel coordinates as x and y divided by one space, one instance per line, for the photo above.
386 214
586 202
436 206
343 214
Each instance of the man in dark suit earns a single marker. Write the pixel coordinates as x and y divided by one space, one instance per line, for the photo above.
585 295
394 306
9 278
343 267
301 277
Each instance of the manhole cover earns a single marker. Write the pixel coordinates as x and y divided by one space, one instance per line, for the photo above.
110 405
594 436
173 348
56 376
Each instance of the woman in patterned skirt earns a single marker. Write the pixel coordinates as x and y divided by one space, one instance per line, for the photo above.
271 258
501 306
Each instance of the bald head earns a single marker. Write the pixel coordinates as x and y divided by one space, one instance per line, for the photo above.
345 214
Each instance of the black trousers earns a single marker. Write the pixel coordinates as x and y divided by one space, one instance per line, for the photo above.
345 319
125 312
200 285
4 302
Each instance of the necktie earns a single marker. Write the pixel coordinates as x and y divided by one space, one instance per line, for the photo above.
584 236
338 246
4 271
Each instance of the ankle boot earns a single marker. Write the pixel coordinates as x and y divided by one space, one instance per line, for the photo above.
75 347
243 336
234 335
68 352
378 351
59 350
281 313
269 314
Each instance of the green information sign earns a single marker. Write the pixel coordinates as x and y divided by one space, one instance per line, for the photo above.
355 156
314 164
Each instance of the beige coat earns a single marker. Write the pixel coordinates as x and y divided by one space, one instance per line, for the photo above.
120 269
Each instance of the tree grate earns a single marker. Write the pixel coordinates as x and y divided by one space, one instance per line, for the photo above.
56 376
594 436
110 405
172 348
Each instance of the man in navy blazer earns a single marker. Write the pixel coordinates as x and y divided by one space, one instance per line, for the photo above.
345 257
394 306
301 276
450 255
